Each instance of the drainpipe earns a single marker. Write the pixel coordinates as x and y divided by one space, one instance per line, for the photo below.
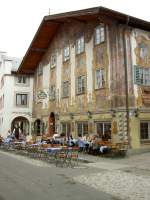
126 80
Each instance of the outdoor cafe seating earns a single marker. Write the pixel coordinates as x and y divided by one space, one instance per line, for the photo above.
64 154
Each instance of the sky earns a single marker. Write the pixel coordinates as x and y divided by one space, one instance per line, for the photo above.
20 19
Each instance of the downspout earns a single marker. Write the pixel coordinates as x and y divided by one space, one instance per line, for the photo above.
126 80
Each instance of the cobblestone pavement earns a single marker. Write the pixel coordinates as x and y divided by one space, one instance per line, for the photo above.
25 178
127 178
122 178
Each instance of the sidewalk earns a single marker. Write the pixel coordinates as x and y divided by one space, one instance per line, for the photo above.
125 178
141 161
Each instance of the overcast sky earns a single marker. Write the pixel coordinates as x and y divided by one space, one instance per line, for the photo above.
19 19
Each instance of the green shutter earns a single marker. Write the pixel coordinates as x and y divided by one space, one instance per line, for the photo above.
137 78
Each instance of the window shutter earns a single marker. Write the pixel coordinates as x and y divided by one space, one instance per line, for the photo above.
83 84
137 78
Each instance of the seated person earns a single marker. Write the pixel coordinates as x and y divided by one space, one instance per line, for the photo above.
104 149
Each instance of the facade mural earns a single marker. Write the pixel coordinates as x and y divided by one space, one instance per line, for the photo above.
94 79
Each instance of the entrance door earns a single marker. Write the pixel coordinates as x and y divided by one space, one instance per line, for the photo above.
37 127
51 124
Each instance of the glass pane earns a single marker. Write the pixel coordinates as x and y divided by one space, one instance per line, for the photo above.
100 129
79 129
85 128
107 131
18 99
19 79
144 130
24 99
24 79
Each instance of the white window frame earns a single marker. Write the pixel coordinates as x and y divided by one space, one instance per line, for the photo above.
148 122
103 124
142 75
21 82
40 69
66 53
80 45
82 128
67 127
52 92
99 80
21 94
65 89
99 34
53 60
2 82
81 84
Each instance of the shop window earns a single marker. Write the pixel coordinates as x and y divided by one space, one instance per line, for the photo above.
82 128
145 130
104 130
66 130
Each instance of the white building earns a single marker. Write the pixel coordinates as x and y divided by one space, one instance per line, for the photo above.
15 97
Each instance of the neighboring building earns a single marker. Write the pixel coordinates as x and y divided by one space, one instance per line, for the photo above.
91 76
15 97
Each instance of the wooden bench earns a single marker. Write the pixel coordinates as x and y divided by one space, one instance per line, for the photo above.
119 149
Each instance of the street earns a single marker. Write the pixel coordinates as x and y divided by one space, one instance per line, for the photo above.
99 179
23 178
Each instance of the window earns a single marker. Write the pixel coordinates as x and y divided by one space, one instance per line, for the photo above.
80 45
52 92
1 103
66 53
80 84
82 128
99 79
40 69
141 75
53 60
99 34
3 99
21 99
65 89
2 82
104 130
23 80
66 129
145 130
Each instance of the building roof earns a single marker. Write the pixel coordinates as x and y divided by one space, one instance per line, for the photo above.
50 24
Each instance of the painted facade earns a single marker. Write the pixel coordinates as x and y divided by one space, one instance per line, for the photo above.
86 76
15 97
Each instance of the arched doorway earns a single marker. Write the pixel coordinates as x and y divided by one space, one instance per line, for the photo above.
51 124
37 127
20 126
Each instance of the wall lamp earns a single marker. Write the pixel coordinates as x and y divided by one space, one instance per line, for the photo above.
89 114
71 116
113 113
57 116
134 113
